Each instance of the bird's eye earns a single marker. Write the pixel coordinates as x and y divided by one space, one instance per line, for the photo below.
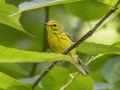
54 25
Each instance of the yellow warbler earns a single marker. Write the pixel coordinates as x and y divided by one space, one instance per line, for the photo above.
59 41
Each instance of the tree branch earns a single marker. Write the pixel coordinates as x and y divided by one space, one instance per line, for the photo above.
88 34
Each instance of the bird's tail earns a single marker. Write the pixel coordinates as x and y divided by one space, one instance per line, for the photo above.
84 69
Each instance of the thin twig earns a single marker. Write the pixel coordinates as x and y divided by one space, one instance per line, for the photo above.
73 78
88 34
45 32
91 59
43 74
66 85
44 41
33 69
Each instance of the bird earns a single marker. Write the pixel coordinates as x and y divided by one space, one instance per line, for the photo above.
59 40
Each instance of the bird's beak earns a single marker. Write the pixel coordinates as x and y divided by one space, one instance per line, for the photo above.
46 24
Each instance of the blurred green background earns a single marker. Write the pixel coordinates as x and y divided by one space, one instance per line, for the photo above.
77 18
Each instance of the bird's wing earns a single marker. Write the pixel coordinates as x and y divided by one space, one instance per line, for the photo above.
69 36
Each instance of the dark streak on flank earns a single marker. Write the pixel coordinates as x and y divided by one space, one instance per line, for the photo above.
63 38
57 37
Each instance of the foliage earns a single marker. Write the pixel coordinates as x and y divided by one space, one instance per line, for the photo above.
23 43
14 55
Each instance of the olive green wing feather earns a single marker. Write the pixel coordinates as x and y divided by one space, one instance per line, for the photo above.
69 36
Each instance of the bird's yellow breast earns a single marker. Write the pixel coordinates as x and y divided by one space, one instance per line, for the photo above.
59 43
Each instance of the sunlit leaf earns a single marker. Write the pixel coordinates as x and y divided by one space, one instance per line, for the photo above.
18 87
7 81
2 1
117 44
55 79
110 2
58 77
5 11
81 83
14 55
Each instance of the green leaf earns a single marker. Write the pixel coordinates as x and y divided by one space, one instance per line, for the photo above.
2 89
14 55
55 79
102 86
117 44
17 72
101 59
116 77
116 73
118 29
18 87
5 11
96 71
58 77
110 2
85 9
40 3
93 48
81 83
2 1
7 81
116 86
108 67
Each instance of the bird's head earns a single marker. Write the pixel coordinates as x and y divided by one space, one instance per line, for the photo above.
53 27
